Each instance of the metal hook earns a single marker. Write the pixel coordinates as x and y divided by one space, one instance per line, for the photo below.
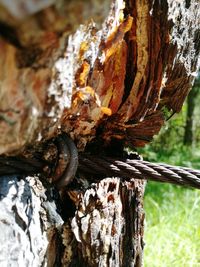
67 162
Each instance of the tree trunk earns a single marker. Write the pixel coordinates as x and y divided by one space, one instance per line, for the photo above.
107 73
30 225
190 123
189 127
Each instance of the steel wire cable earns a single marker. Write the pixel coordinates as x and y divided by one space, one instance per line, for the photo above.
64 168
139 169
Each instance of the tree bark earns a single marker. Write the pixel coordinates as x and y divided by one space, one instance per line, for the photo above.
108 225
189 137
107 73
30 225
189 127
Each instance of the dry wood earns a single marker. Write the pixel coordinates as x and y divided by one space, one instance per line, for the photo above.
117 77
30 226
100 71
106 232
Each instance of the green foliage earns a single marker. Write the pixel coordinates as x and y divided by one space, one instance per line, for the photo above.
175 155
172 231
168 145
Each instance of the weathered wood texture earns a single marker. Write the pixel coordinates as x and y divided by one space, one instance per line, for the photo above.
108 225
30 227
98 70
117 77
105 228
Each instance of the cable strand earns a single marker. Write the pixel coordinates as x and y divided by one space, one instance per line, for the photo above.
65 160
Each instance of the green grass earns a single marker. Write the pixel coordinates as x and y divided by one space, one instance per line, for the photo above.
172 230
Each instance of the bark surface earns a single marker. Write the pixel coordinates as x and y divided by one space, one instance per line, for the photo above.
30 226
189 133
108 73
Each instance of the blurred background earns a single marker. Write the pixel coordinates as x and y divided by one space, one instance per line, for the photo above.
172 230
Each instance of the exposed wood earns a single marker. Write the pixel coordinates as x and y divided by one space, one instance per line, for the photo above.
114 77
107 233
38 69
100 71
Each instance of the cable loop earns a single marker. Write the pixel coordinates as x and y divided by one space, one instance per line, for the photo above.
60 162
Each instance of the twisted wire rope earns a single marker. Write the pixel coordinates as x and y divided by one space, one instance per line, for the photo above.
139 169
68 161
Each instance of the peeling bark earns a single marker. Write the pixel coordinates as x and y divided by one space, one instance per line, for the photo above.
108 224
96 77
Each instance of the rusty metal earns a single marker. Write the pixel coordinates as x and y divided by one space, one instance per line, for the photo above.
61 166
67 162
139 169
